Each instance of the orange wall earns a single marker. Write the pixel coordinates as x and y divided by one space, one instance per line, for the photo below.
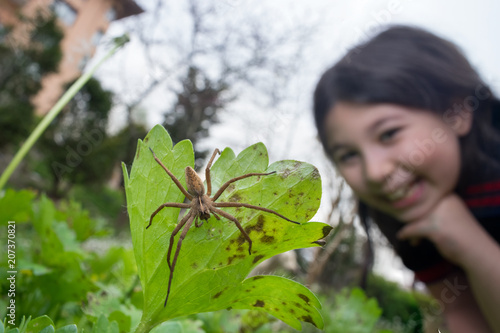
77 44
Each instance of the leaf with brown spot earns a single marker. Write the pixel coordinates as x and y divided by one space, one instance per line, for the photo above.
217 279
267 239
258 258
274 295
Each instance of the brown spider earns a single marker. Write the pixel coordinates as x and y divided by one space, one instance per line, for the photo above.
202 206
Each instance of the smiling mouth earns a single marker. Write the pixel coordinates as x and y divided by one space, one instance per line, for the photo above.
406 195
401 192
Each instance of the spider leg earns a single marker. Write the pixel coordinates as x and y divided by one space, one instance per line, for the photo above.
232 218
168 204
176 181
226 184
179 243
207 171
189 216
239 204
196 222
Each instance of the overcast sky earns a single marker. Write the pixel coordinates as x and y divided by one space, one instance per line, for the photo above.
473 25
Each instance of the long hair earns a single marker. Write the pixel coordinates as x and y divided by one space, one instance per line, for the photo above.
411 67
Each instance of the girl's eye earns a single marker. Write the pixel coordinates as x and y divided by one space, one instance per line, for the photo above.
389 134
346 157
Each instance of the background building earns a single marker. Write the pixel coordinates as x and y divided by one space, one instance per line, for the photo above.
83 22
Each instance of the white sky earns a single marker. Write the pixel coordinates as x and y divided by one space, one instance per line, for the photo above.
473 25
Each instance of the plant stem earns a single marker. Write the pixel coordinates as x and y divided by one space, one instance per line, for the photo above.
56 109
143 327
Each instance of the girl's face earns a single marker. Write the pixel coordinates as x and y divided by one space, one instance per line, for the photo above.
399 160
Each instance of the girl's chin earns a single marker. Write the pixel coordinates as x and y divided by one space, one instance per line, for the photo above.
416 213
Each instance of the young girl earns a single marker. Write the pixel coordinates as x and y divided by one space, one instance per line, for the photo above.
410 125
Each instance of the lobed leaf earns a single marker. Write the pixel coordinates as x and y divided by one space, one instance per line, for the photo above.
214 261
40 324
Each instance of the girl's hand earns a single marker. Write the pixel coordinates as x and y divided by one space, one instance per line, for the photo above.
450 226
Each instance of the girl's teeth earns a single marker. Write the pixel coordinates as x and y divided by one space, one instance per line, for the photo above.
400 193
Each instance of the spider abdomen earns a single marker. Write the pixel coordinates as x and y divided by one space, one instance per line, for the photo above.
194 184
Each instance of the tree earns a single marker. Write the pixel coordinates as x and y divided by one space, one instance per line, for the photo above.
76 148
198 59
196 108
23 63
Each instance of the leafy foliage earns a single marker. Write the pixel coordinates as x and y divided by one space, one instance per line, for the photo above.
213 263
354 313
75 148
115 301
22 67
56 273
398 304
44 324
48 254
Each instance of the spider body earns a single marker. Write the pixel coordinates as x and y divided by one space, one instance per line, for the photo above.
194 183
202 206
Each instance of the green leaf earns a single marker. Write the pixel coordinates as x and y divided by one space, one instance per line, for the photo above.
48 329
67 280
15 206
12 330
32 268
279 297
52 246
101 325
67 329
121 319
183 326
39 324
214 259
355 312
104 326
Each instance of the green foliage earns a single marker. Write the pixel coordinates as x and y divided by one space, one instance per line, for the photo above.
48 255
398 304
213 263
16 206
45 38
346 311
75 148
44 324
235 321
354 313
56 273
22 67
104 202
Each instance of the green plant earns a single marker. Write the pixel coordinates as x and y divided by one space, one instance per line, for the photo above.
49 117
353 312
49 256
23 64
211 271
44 324
398 305
58 274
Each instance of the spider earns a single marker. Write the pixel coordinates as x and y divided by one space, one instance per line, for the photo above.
202 206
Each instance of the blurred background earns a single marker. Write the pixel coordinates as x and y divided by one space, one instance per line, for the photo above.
225 73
